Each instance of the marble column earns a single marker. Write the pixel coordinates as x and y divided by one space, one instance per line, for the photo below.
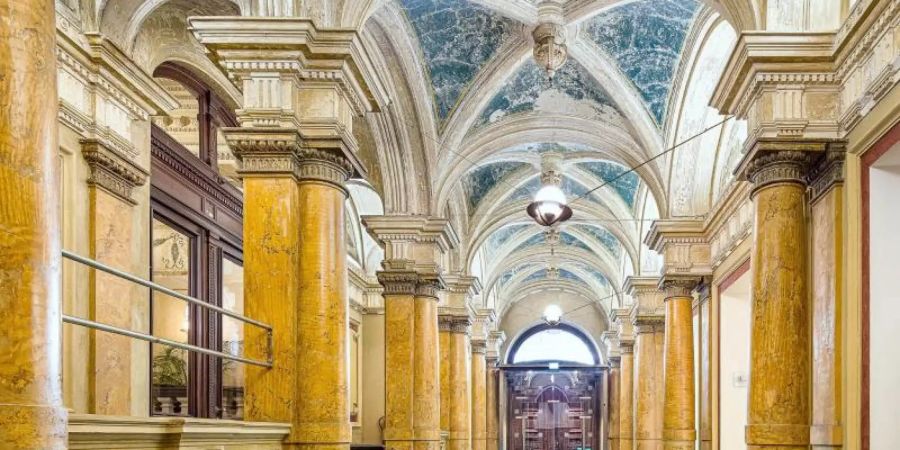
460 417
615 374
779 395
648 383
705 363
427 386
31 411
492 426
322 418
827 211
295 269
679 431
445 336
479 397
399 349
626 395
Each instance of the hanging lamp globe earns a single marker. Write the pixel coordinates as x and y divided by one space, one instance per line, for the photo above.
553 315
549 206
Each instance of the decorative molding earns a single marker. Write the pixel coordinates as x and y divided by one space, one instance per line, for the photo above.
428 285
827 172
401 236
398 282
676 286
170 153
112 171
479 346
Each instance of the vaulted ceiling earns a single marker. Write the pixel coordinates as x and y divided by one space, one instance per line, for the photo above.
495 113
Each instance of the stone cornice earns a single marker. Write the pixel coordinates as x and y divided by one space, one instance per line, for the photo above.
683 244
398 233
495 340
463 284
761 57
107 67
296 45
112 171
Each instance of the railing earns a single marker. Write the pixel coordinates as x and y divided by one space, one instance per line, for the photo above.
156 339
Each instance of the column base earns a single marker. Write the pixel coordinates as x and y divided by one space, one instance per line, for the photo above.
777 437
413 444
648 444
27 427
679 439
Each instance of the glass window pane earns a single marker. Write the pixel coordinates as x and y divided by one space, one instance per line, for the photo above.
554 345
232 340
171 259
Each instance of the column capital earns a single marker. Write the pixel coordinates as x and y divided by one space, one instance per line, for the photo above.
111 171
398 282
479 346
495 340
611 340
683 244
648 307
624 329
827 171
428 284
679 286
782 160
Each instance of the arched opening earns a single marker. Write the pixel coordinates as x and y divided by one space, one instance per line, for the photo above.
564 344
554 389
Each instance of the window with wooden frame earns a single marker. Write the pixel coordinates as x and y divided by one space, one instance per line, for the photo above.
196 248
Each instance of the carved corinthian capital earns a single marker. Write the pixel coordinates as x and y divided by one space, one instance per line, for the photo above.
112 171
777 167
675 286
398 282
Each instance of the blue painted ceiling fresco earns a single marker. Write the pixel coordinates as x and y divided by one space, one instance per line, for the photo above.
501 236
457 38
571 90
481 180
645 38
603 236
527 191
626 186
568 239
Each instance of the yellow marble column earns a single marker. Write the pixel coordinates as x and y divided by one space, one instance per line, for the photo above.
679 431
648 383
779 395
827 298
479 397
427 386
614 394
295 269
492 425
31 412
322 418
445 330
460 414
399 349
626 395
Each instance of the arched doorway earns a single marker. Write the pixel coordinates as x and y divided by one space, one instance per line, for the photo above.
553 395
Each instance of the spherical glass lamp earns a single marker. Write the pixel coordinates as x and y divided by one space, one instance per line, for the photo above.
549 206
552 315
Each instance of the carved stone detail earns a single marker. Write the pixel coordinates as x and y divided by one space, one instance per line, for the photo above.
111 171
679 286
323 166
445 323
428 285
479 347
550 50
462 325
827 171
398 282
786 166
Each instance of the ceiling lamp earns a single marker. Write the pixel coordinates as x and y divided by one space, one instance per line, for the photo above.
553 315
549 206
549 36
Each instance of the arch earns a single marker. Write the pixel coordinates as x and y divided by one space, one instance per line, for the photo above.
570 329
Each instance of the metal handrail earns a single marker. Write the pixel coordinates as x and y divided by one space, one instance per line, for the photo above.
158 340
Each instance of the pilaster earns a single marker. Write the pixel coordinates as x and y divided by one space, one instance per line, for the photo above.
624 333
648 318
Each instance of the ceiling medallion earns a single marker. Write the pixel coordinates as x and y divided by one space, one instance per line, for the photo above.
550 50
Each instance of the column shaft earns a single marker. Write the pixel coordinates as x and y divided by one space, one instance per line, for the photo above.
678 422
322 400
626 400
427 390
479 400
493 407
779 396
648 390
460 373
399 351
272 291
705 392
31 412
445 324
613 402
